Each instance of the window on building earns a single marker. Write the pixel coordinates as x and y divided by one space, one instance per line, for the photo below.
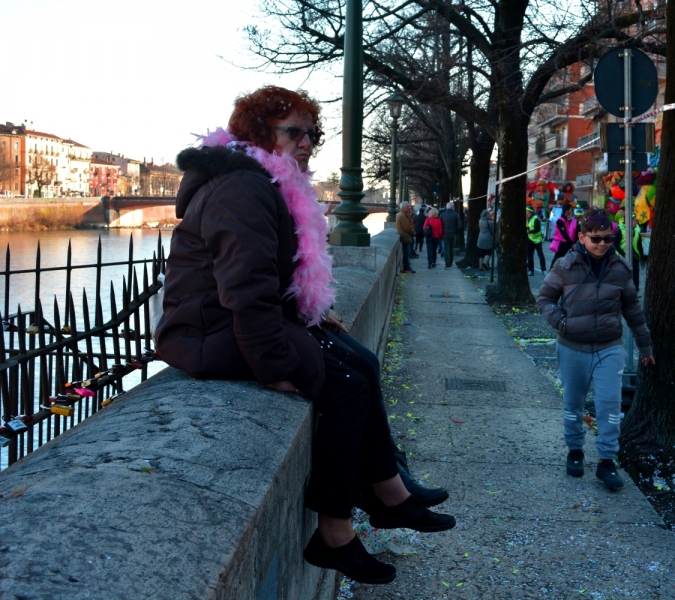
16 186
16 159
16 145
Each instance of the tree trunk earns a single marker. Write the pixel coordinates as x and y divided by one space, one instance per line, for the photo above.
481 152
513 285
650 423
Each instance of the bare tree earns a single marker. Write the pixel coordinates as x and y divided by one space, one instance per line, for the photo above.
512 48
40 172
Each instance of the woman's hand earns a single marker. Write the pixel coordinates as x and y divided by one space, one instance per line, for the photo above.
284 386
333 323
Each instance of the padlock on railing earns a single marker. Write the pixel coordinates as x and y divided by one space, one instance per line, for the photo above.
15 425
112 398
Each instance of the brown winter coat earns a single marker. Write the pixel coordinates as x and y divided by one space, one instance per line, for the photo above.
592 313
225 312
405 228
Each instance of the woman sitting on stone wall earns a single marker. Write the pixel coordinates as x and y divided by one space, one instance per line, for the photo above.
247 297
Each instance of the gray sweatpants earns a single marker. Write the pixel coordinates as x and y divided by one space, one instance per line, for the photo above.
604 369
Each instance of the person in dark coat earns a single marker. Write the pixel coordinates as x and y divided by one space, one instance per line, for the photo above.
247 297
452 227
418 222
584 297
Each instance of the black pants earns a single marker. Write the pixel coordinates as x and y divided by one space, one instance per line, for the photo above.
449 248
352 443
419 242
531 247
563 249
432 247
406 255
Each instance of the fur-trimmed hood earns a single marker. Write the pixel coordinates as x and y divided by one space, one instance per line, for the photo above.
202 164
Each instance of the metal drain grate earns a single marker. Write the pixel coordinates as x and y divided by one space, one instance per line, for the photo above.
475 384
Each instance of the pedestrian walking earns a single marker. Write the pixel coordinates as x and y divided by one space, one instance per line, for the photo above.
583 297
486 236
452 227
534 241
406 231
433 234
564 234
418 222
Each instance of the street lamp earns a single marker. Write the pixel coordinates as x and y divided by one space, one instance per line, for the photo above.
350 230
395 105
400 172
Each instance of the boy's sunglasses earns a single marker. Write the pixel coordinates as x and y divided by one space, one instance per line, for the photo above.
296 134
599 239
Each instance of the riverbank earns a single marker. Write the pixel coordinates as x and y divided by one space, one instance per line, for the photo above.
44 214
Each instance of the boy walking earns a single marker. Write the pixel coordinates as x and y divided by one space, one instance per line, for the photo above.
535 240
583 297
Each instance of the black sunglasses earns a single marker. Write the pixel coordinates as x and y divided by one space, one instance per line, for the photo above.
597 239
296 134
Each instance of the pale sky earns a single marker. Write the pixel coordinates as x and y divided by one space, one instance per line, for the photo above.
137 77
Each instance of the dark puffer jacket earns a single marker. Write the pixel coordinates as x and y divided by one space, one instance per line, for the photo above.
226 315
592 313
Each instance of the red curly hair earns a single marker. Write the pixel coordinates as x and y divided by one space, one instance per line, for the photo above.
253 113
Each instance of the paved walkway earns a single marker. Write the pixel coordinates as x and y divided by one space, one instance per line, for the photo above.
525 529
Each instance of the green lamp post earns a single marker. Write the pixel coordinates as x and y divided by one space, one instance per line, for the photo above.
400 172
395 104
350 213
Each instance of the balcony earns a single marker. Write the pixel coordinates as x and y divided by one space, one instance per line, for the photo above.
589 105
550 114
584 139
551 144
585 180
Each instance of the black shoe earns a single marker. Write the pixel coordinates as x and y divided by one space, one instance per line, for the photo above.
351 560
606 472
575 463
410 514
427 497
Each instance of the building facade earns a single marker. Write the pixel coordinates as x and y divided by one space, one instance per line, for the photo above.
103 178
159 180
129 182
12 166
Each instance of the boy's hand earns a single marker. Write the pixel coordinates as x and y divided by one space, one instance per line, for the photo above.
648 360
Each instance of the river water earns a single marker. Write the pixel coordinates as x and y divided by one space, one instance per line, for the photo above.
53 253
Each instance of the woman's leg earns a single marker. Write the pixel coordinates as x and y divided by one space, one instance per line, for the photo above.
352 440
427 496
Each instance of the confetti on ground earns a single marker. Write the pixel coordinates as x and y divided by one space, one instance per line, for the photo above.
398 541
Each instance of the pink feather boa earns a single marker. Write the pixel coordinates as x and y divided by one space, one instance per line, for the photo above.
311 284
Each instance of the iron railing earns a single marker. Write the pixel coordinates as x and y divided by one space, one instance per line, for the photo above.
53 375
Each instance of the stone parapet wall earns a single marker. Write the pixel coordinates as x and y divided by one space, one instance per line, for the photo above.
183 488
